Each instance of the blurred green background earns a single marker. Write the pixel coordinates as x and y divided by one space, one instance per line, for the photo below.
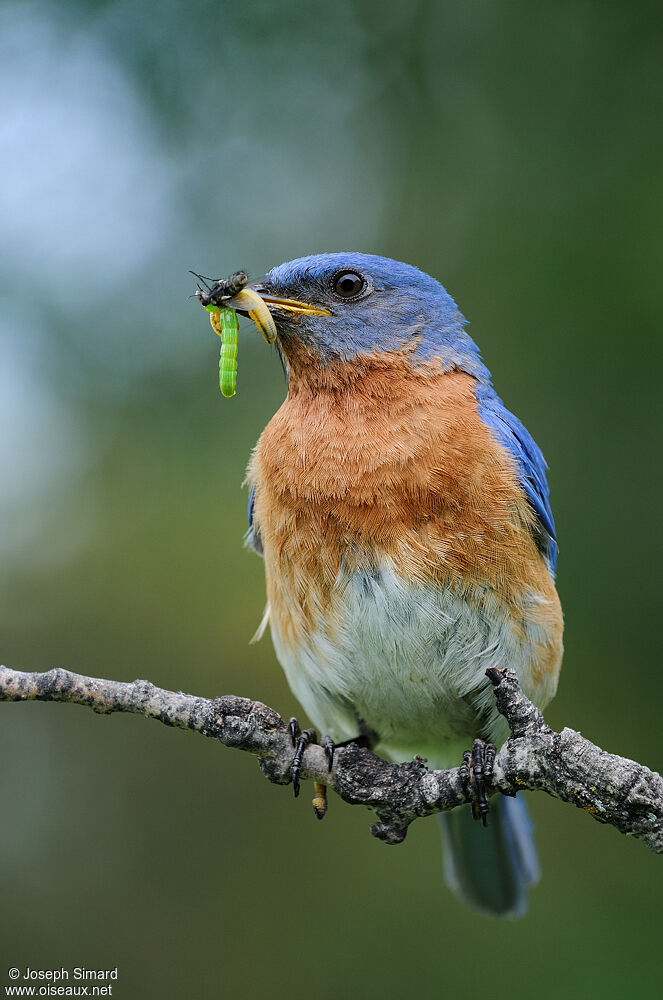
514 151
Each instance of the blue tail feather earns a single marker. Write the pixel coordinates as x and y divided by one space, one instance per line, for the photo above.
491 868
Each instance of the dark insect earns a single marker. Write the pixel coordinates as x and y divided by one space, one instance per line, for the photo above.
222 298
216 292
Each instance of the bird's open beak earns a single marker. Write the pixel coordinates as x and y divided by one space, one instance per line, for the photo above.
258 304
292 305
248 301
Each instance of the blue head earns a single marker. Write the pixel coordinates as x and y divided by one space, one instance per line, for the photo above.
344 306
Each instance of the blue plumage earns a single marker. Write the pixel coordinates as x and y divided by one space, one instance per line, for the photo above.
404 652
492 868
253 535
530 463
402 304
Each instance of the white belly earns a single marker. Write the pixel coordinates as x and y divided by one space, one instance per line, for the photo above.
408 661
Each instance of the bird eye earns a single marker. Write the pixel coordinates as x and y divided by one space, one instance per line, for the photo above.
348 284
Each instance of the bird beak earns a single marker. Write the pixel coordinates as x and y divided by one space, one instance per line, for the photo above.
258 304
248 301
292 305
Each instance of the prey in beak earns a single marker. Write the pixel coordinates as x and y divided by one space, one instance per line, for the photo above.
231 293
224 298
256 303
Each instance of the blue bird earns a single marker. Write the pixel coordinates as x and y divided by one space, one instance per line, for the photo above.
409 544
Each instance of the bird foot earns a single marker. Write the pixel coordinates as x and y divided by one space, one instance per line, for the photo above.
301 739
476 770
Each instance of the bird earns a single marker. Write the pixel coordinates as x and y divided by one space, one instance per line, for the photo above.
404 519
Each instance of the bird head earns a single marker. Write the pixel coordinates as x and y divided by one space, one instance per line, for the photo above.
340 308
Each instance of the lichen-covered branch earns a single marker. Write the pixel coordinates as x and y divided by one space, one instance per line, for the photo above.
612 789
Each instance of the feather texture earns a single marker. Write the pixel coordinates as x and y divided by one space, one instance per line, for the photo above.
404 517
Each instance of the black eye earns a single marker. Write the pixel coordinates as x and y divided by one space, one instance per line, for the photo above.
347 284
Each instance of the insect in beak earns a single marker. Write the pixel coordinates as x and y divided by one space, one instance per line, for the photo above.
224 322
224 298
247 300
231 293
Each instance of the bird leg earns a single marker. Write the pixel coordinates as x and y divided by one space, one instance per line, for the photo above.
301 739
476 770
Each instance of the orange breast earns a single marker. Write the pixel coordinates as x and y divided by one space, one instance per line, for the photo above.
372 460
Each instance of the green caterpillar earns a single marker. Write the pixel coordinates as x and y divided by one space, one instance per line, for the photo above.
224 322
216 298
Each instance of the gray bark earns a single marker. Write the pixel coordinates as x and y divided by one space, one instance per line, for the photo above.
612 789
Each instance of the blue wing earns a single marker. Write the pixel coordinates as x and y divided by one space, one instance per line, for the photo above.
531 467
253 535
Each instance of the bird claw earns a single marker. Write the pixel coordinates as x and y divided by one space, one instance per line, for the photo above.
328 745
476 771
301 739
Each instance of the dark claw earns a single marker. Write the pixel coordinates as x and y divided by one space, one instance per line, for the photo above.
475 771
294 730
329 747
480 807
491 751
302 741
465 768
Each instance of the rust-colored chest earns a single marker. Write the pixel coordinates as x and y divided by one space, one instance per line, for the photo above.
391 465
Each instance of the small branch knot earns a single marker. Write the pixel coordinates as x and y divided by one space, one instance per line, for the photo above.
523 717
389 832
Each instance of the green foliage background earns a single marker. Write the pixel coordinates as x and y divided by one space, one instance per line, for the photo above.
514 151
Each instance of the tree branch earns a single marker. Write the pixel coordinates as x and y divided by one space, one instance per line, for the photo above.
614 790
